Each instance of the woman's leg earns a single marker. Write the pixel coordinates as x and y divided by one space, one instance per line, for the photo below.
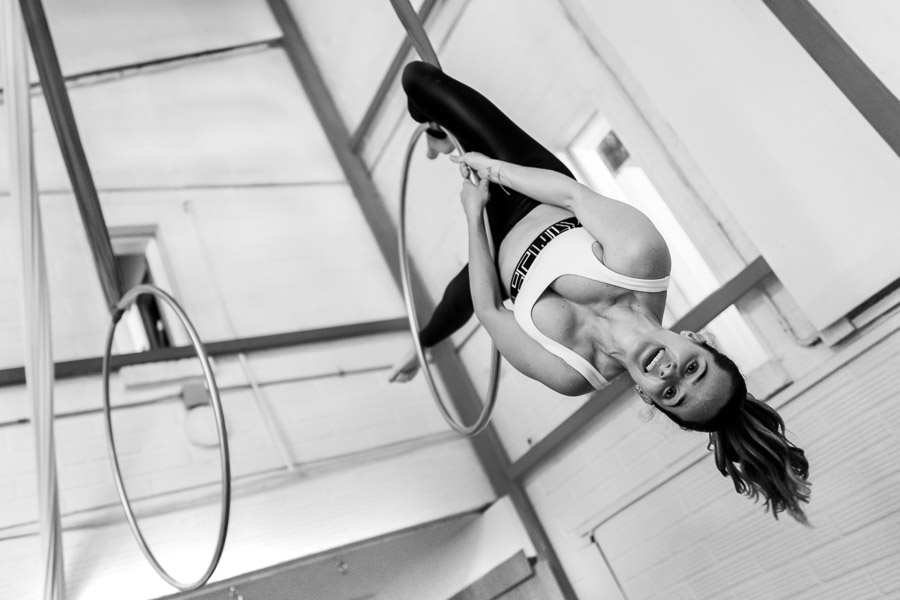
480 127
475 121
451 313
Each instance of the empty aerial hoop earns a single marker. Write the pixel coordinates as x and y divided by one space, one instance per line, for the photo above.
491 396
225 460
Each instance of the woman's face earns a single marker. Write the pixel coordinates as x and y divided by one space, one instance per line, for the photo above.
674 371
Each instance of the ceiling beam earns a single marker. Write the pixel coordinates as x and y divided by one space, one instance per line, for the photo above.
307 71
387 82
118 72
487 445
93 366
72 151
846 69
454 375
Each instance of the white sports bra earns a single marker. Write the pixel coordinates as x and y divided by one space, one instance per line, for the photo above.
571 253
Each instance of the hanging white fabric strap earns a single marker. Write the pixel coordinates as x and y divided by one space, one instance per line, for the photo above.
36 303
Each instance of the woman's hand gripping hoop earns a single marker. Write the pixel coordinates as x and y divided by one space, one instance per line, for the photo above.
491 396
224 458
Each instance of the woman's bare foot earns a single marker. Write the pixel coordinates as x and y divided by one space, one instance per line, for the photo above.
438 146
406 368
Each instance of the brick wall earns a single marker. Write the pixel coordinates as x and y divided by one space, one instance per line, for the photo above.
693 534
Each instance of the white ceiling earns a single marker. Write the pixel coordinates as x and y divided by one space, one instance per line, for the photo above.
93 35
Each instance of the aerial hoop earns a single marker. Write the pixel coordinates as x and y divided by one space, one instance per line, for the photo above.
225 460
491 396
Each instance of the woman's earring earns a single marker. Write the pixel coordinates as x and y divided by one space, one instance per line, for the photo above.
642 395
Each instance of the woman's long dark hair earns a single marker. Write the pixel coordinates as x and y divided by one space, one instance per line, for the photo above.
747 437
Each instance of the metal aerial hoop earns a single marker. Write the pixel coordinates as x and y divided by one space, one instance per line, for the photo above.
422 44
56 95
123 304
491 396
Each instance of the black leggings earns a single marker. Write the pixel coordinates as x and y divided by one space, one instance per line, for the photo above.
480 127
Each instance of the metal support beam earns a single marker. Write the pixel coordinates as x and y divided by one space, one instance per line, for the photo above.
487 445
387 82
453 373
846 69
92 366
335 129
72 151
700 316
416 31
121 71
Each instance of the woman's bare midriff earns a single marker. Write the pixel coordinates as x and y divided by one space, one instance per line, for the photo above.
522 234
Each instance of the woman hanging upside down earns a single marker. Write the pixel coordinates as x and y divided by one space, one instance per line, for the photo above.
588 278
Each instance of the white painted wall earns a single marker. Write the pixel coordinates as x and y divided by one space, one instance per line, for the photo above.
808 179
480 547
865 31
272 521
692 536
139 32
353 44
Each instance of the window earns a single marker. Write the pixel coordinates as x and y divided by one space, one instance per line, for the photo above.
146 325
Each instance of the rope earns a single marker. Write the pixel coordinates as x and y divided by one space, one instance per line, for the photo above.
36 303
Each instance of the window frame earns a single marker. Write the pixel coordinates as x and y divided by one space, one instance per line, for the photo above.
144 240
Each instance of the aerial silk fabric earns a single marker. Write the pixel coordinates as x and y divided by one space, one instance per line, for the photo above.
36 303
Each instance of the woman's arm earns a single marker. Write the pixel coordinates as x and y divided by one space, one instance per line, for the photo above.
485 287
631 243
542 185
522 352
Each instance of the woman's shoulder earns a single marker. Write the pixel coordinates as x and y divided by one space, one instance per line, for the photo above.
632 245
643 256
